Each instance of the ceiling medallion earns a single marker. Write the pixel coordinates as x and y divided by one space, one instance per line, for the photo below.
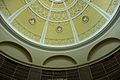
59 29
85 19
32 21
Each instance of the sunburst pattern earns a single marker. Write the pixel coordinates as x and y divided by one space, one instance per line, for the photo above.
58 23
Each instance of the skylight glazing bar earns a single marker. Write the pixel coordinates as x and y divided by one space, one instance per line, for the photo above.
75 34
19 11
42 39
98 9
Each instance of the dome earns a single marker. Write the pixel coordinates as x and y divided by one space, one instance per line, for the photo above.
58 23
59 39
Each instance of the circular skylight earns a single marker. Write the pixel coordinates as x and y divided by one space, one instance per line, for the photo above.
58 23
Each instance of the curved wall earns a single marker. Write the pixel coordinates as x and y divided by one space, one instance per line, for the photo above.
107 69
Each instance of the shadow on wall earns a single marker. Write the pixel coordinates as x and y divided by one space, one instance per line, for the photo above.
105 46
59 61
15 51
